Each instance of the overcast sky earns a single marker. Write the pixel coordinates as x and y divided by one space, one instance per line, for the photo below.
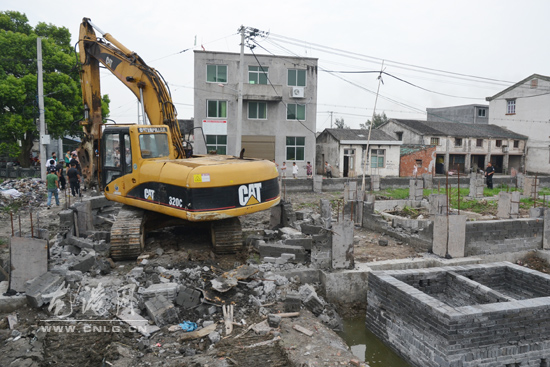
494 42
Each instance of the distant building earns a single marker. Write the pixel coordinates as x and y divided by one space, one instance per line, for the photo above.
466 114
525 108
463 147
344 150
421 156
279 105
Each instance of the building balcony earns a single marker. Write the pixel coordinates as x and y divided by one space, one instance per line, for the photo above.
262 92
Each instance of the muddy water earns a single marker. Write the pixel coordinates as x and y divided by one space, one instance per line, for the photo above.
367 347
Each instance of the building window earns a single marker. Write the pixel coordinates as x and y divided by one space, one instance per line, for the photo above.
257 110
296 78
419 163
350 153
295 148
458 142
498 143
257 74
434 141
481 112
510 106
216 109
216 143
216 73
516 143
377 158
399 135
295 111
479 142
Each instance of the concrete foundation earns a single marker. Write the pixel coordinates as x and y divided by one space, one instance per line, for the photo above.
490 315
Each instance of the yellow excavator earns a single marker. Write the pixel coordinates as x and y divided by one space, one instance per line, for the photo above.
150 167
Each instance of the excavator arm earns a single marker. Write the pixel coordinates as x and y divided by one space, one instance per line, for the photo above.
145 82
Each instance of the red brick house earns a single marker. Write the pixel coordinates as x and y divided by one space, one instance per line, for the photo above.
423 156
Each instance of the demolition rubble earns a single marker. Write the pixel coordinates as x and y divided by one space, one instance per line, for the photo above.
69 303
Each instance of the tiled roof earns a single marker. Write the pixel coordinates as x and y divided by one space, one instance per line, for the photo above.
413 148
454 129
359 134
537 76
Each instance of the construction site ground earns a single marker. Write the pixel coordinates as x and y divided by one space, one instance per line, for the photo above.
111 343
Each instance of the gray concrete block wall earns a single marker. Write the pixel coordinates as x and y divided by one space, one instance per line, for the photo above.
499 236
428 332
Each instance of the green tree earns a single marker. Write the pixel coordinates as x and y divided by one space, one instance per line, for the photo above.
339 123
378 120
63 107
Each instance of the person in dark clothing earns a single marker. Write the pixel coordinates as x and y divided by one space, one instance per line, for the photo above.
74 180
489 175
62 181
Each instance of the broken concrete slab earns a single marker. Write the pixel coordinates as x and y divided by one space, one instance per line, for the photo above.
38 288
304 242
29 259
275 250
84 218
188 297
229 279
168 290
137 322
161 310
309 229
10 303
290 232
82 262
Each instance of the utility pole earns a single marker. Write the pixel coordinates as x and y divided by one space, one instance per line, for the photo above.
239 124
44 139
331 112
370 129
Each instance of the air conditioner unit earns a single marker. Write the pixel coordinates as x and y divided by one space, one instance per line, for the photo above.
505 149
297 92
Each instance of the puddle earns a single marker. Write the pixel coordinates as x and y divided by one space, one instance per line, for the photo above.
367 347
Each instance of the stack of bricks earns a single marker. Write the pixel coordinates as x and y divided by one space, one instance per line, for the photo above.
485 315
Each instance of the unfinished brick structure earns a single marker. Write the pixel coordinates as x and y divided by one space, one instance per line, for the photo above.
476 315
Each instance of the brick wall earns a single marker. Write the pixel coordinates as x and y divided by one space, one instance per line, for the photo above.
407 162
428 331
499 236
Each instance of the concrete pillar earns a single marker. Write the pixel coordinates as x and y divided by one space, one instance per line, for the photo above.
84 219
529 184
467 162
276 216
504 205
546 231
29 259
449 235
342 245
427 179
375 182
438 204
326 213
476 185
514 205
520 177
416 189
317 184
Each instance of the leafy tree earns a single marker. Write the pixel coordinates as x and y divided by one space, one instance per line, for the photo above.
339 123
378 120
18 84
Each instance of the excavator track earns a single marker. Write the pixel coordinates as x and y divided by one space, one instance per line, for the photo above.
226 235
127 234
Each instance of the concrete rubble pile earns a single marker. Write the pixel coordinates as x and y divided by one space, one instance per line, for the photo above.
27 191
152 294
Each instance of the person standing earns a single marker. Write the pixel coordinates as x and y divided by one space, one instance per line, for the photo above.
489 175
52 184
294 170
328 169
74 180
309 170
283 170
67 158
415 170
59 171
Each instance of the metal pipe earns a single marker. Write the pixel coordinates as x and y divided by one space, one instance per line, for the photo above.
535 192
32 227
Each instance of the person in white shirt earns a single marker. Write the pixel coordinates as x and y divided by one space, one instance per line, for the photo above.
294 170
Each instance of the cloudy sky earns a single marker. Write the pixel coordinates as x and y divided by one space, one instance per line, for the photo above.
452 52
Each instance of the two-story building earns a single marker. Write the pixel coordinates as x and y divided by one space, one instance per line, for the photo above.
463 147
279 105
525 108
344 150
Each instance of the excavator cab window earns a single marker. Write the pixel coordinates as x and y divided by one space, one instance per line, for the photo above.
154 145
116 154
